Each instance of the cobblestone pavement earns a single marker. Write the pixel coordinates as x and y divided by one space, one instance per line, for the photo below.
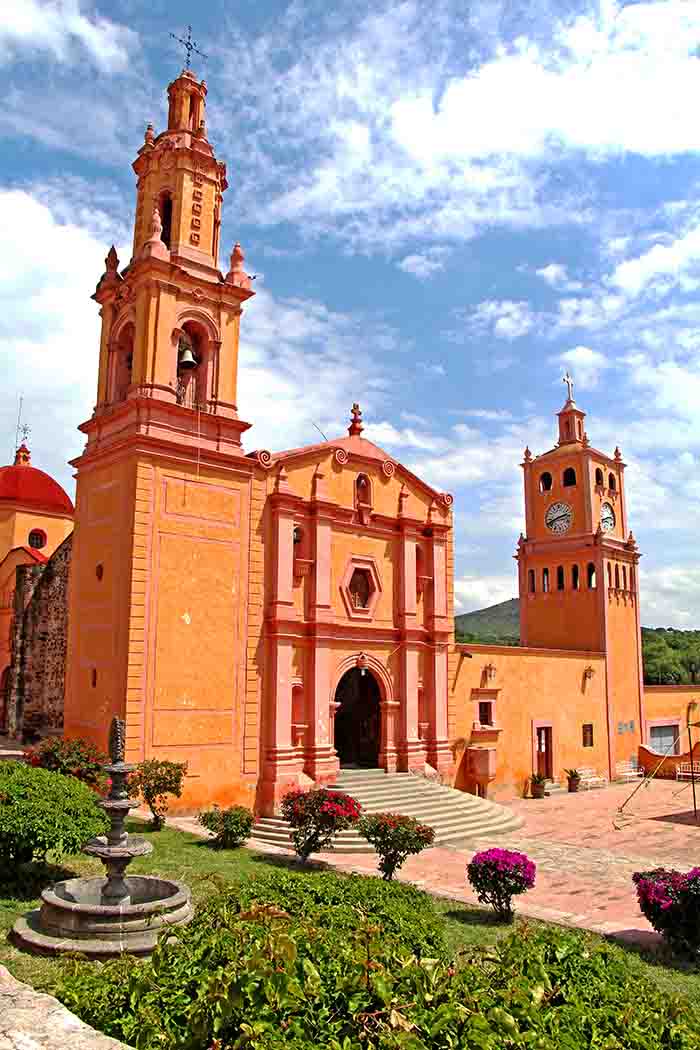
585 850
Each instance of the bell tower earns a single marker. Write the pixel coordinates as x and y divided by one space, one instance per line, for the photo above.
577 567
159 569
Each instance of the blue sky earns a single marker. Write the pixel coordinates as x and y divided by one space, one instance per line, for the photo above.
446 207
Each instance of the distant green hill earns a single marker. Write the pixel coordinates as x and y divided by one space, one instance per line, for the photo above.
498 625
670 655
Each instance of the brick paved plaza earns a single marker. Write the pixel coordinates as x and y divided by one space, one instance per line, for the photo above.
584 849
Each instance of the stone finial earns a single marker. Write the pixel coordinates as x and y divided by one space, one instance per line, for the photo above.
631 542
154 246
149 137
527 455
617 454
585 442
598 534
111 262
23 457
237 274
117 740
356 427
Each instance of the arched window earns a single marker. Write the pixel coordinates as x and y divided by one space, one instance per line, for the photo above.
123 362
545 580
531 581
599 478
298 535
545 481
579 429
363 491
590 573
420 570
569 477
631 577
609 575
165 207
617 577
560 577
191 388
37 539
624 577
612 481
575 577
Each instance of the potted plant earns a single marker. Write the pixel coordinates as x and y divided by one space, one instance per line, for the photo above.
537 784
574 779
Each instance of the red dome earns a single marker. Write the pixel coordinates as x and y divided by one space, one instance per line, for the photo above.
24 484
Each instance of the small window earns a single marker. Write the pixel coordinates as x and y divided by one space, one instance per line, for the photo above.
609 575
569 477
545 580
93 677
531 581
617 577
664 739
99 570
363 491
575 577
612 482
590 574
37 539
545 482
599 478
360 588
485 712
624 578
587 734
298 535
631 577
560 577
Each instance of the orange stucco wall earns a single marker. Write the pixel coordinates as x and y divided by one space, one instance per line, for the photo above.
16 524
533 686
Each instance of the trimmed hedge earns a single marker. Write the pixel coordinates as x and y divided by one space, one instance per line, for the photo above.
43 811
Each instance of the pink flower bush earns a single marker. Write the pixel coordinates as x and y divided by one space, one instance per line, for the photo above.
316 816
497 875
395 837
670 901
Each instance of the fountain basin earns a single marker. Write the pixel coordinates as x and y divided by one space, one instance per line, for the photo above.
72 919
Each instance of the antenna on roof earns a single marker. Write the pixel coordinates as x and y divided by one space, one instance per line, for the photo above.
319 430
23 429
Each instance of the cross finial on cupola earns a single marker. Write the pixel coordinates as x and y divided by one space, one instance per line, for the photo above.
23 457
356 427
569 386
571 417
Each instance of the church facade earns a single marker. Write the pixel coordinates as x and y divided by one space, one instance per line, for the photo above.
268 617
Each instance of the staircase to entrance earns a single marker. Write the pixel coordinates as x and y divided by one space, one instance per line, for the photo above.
456 817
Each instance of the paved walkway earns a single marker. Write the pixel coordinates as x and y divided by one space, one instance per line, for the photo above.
585 851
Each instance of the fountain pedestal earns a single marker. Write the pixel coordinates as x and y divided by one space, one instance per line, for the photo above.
104 917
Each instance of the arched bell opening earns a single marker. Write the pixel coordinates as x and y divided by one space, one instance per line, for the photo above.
122 364
165 207
192 346
358 719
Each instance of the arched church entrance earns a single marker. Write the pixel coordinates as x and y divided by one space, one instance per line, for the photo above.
358 719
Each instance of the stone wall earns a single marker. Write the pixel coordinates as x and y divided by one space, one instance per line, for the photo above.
39 634
30 1020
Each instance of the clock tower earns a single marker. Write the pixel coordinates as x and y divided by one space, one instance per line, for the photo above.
577 567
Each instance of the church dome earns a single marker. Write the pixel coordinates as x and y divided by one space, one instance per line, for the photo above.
24 484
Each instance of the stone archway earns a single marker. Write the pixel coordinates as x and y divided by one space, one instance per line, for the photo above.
358 719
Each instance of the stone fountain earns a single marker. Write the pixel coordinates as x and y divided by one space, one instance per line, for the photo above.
106 916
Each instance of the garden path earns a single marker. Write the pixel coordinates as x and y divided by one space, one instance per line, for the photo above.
585 855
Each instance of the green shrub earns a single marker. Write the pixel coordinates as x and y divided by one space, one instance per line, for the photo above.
42 811
262 977
394 837
76 758
231 827
153 781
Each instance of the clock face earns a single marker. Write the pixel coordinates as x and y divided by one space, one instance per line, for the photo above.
607 518
558 518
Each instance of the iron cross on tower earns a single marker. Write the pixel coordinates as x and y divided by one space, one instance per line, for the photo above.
189 45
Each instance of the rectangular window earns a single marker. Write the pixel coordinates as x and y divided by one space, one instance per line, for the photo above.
588 734
485 713
664 739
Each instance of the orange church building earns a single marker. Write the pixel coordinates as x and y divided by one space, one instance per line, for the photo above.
269 617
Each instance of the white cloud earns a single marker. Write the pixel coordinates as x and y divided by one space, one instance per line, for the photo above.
586 364
557 277
479 592
506 318
421 266
59 27
670 596
662 266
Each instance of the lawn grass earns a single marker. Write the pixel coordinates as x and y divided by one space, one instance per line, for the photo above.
187 857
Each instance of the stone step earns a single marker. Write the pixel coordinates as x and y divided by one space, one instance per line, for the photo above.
452 824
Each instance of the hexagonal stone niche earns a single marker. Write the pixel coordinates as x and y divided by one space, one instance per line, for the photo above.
361 587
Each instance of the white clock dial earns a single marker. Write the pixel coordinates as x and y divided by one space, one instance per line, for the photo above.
607 518
558 518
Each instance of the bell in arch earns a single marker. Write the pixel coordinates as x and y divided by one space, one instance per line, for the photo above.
186 359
